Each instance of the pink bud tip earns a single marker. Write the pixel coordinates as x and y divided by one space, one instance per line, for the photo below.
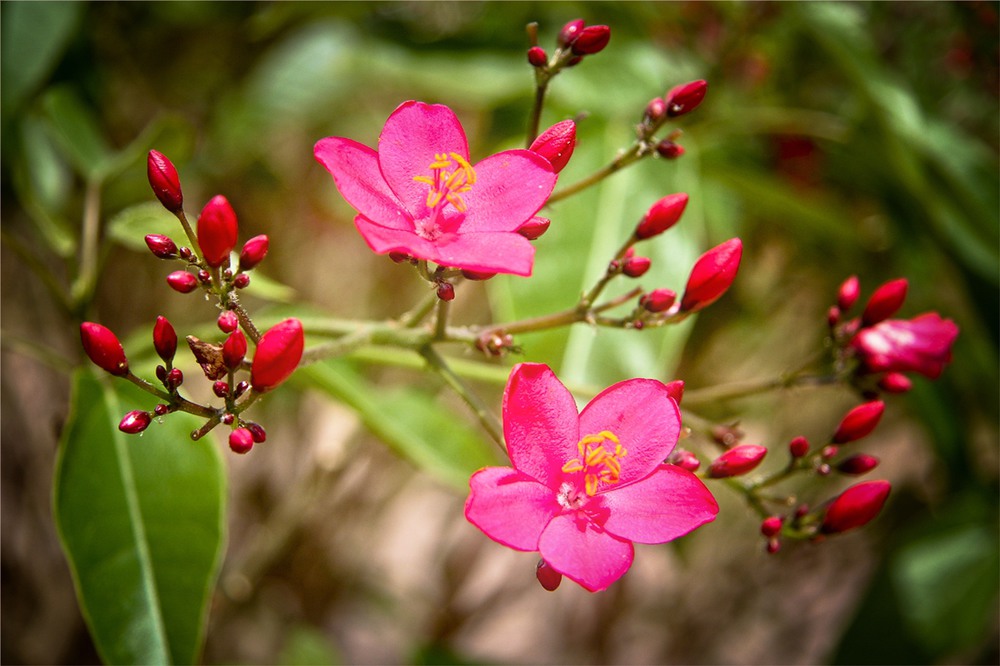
656 111
592 39
278 354
712 275
234 349
798 447
240 440
658 300
253 252
895 382
669 150
135 422
182 281
662 215
885 302
859 422
737 461
164 339
675 390
685 97
228 321
257 431
636 266
856 506
548 577
556 144
217 231
161 246
859 463
771 526
685 460
537 56
570 32
833 316
534 228
164 181
848 293
103 348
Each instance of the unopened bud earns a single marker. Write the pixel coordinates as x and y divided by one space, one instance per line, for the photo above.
204 277
829 451
228 321
278 354
253 252
164 180
685 97
556 144
712 275
675 390
859 422
636 266
655 113
220 388
182 281
548 577
228 419
662 215
161 373
592 39
241 281
399 257
848 293
103 348
241 388
217 231
234 350
256 431
570 32
737 461
161 410
658 300
895 382
537 56
476 275
446 291
859 463
161 246
771 526
164 339
534 228
885 302
669 149
240 440
856 506
173 379
773 546
798 447
684 459
135 422
833 316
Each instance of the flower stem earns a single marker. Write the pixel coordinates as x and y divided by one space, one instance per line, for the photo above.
485 416
635 152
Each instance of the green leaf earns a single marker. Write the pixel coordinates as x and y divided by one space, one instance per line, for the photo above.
130 226
141 519
74 127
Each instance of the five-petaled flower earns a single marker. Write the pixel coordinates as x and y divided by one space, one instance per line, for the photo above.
922 344
419 194
585 486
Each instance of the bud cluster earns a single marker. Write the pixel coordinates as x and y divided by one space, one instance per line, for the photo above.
576 39
678 101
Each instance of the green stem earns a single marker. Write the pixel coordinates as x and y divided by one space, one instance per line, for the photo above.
441 320
192 238
485 416
83 286
635 152
755 387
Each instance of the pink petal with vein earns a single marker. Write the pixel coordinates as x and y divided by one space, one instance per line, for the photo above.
668 504
585 553
509 507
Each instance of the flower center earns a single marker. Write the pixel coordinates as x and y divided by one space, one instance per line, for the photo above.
598 464
451 174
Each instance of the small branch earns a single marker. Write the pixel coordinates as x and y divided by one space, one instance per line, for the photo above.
636 151
485 416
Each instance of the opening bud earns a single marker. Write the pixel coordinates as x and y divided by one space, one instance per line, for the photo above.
278 354
161 246
636 266
771 526
556 144
798 447
592 39
737 461
240 440
228 321
656 112
712 275
675 390
848 293
685 97
859 422
217 231
548 577
658 300
570 32
662 215
234 350
859 463
855 507
253 252
534 228
164 180
182 281
103 348
164 339
537 56
885 302
135 422
895 382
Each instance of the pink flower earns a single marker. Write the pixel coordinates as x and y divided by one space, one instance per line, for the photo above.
922 344
419 195
585 486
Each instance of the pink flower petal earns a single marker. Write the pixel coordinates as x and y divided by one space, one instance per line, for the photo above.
509 507
539 423
413 135
510 188
382 239
645 419
487 252
667 504
355 171
584 552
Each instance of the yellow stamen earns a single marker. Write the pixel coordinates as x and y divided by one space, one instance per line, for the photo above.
448 185
598 464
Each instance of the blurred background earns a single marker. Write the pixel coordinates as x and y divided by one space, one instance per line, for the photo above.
836 139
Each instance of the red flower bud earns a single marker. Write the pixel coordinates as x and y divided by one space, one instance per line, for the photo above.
592 39
685 97
476 275
537 56
684 459
859 422
257 431
548 577
161 246
658 300
771 526
859 463
446 291
135 422
217 231
848 293
173 379
798 447
278 354
164 339
656 111
712 275
895 382
737 461
636 266
556 144
182 281
254 250
885 302
164 181
570 32
103 348
855 507
669 150
534 228
241 281
234 349
220 389
675 390
662 215
240 440
228 321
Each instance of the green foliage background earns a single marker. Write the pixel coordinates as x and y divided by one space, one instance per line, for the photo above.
836 139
